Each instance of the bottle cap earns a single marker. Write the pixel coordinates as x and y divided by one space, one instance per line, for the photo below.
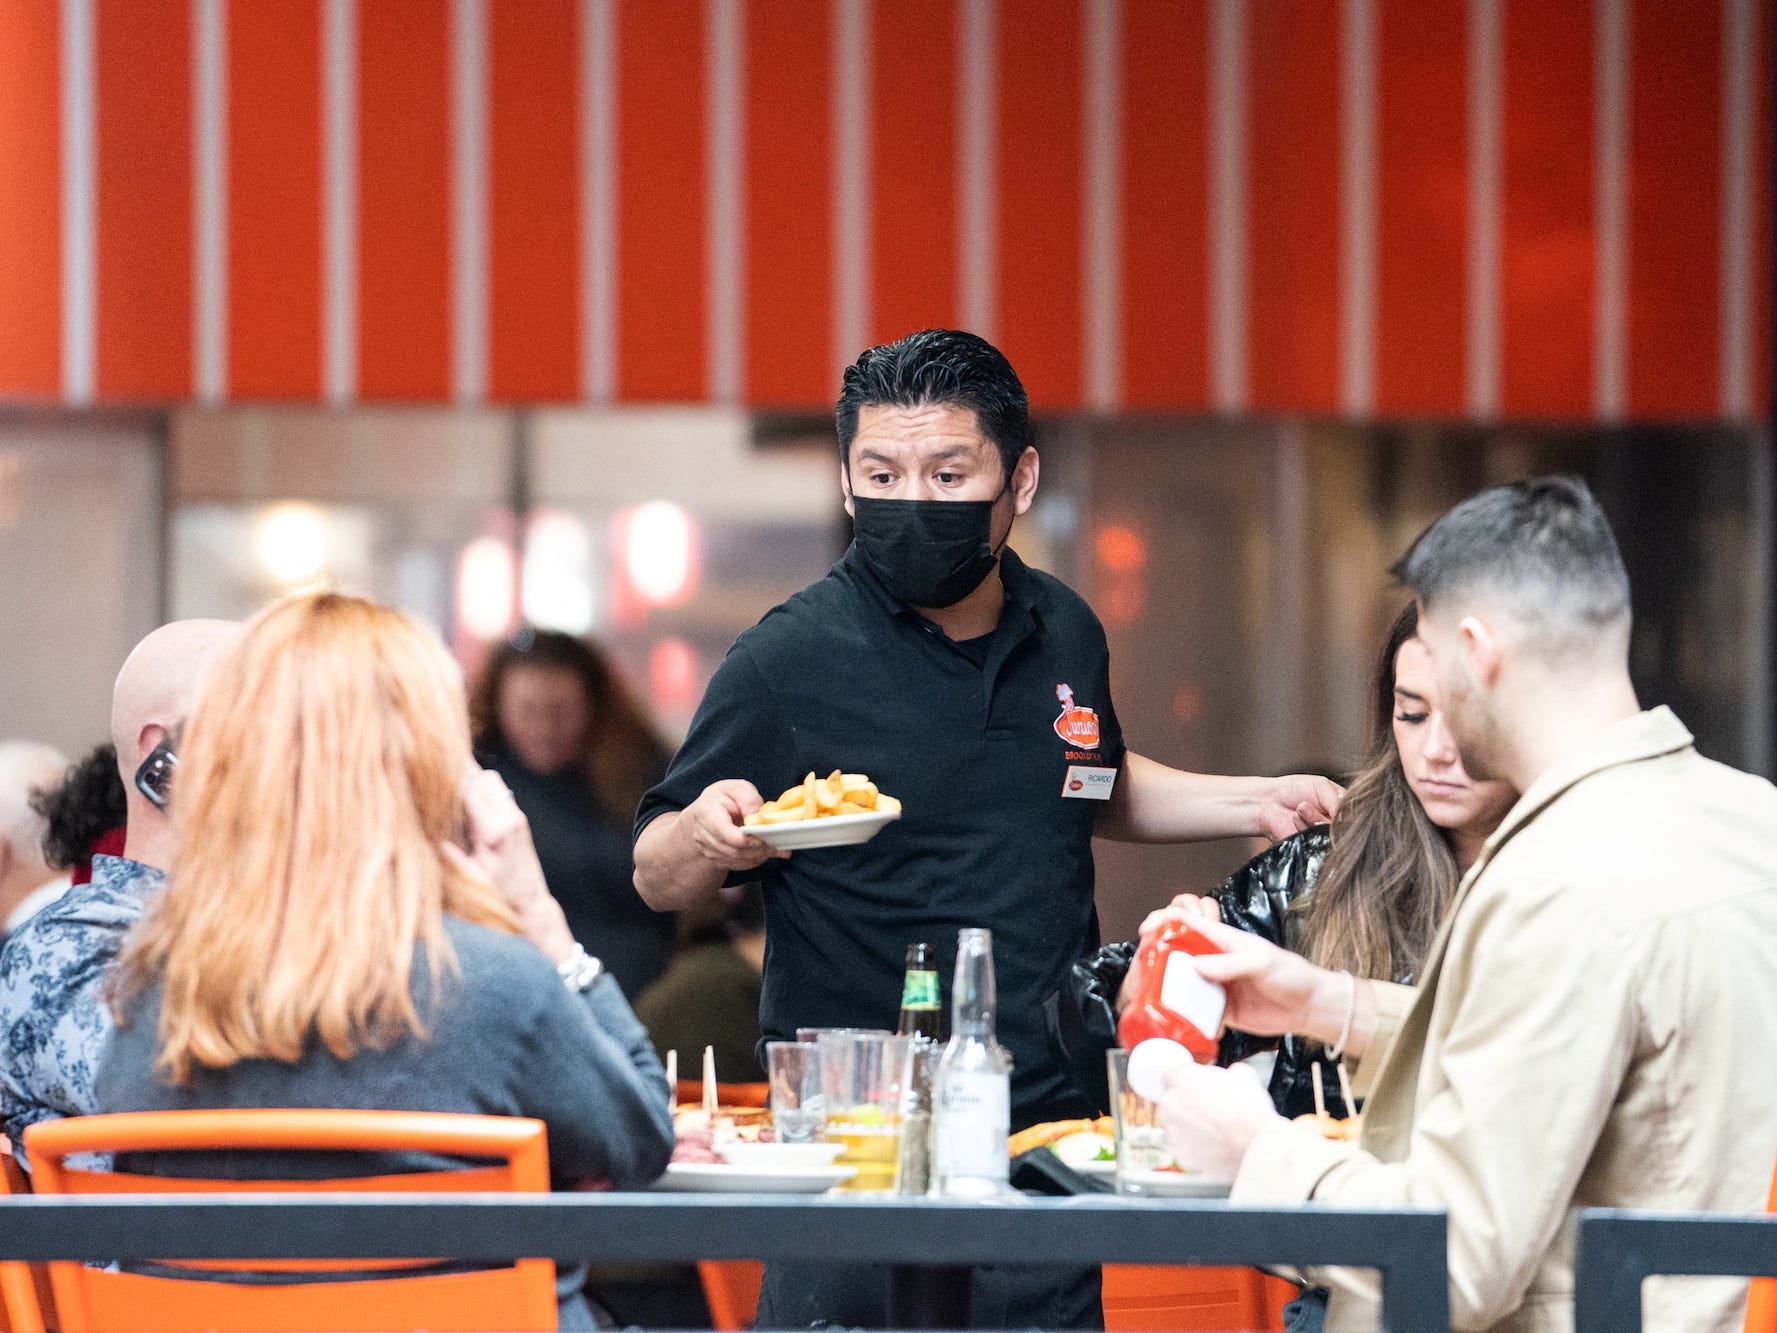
1149 1064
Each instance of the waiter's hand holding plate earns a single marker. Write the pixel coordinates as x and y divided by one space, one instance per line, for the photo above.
713 824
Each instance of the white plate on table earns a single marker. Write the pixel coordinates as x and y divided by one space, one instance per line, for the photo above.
778 1156
1177 1185
833 831
1094 1167
721 1178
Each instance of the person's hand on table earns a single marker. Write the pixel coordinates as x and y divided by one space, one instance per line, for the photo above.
501 853
1213 1115
1288 805
712 826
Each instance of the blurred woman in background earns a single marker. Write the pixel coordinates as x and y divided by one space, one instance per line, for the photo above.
550 715
1365 895
353 920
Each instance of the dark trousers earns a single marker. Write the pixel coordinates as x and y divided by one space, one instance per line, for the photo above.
815 1295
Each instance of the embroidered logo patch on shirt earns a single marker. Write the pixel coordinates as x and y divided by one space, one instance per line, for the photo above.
1076 725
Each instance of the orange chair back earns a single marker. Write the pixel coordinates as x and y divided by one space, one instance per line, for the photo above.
520 1296
24 1288
690 1093
731 1290
1145 1298
1761 1297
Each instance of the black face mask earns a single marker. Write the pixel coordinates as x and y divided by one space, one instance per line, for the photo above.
927 553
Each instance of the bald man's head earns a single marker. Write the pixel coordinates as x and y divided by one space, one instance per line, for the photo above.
156 687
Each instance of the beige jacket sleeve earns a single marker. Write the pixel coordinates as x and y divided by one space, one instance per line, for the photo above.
1518 1078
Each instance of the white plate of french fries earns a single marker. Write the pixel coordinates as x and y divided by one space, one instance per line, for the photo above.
839 810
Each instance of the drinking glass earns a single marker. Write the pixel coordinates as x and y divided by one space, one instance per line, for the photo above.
863 1075
1142 1146
794 1068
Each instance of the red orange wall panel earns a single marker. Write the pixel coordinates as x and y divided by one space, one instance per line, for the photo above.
789 214
404 200
30 200
1422 201
142 124
1674 210
1293 205
1546 293
533 200
274 199
661 169
1165 197
1764 212
913 157
1040 302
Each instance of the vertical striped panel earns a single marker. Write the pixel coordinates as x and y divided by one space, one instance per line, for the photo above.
661 297
1674 210
30 200
913 153
1764 215
533 200
404 200
1421 207
789 203
1165 205
1039 304
274 192
1293 205
142 95
1546 238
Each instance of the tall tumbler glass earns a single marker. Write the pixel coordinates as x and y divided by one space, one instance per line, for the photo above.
794 1068
863 1075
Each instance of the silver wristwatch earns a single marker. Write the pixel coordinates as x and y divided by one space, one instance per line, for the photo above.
579 970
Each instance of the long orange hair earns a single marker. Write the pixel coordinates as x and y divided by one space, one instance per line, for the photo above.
320 774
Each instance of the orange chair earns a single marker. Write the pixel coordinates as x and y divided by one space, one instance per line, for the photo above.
731 1289
520 1296
24 1288
1145 1298
1761 1298
690 1093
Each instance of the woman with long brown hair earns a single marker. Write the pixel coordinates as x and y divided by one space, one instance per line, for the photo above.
551 715
355 918
1365 895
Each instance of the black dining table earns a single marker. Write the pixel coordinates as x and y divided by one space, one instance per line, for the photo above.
932 1245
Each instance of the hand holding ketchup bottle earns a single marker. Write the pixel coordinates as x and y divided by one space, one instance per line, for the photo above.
1169 998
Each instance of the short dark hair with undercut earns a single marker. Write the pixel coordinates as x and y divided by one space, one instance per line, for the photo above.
939 368
1541 548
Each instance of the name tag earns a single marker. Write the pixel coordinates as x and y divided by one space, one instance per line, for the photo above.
1089 784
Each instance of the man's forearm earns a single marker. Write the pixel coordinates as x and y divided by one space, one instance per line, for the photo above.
1155 803
670 875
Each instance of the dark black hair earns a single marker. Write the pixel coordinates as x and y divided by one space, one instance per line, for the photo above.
89 804
942 367
1543 546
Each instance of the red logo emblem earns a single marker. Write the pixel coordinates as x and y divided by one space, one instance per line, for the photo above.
1076 725
1076 785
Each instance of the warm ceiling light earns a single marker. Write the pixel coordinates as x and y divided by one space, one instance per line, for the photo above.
292 543
485 577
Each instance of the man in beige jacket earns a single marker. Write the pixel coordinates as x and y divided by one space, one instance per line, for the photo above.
1592 1026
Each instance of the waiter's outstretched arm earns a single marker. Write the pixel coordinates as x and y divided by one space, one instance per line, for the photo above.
684 856
1154 803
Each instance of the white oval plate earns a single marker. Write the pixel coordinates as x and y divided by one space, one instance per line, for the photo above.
1177 1185
834 831
720 1178
779 1156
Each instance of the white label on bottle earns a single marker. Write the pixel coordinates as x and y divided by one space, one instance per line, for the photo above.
1184 991
974 1113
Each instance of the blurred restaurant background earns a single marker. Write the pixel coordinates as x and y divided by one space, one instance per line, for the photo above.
534 311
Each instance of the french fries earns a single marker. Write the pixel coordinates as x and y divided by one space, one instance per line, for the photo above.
816 798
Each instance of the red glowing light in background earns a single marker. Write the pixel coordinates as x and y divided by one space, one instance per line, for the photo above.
672 675
1120 549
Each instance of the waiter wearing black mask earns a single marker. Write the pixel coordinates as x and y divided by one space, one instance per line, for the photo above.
977 691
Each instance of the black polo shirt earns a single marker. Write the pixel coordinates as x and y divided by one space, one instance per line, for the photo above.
978 751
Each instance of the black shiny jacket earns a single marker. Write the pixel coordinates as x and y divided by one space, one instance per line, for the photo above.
1255 898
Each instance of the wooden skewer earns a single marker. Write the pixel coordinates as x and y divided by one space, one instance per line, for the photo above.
1345 1090
1320 1094
709 1080
672 1075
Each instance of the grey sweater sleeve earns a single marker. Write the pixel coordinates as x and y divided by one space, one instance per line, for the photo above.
589 1072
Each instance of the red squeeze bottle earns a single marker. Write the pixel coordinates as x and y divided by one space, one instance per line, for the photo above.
1168 998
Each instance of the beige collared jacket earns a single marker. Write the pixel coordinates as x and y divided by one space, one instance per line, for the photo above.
1593 1028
